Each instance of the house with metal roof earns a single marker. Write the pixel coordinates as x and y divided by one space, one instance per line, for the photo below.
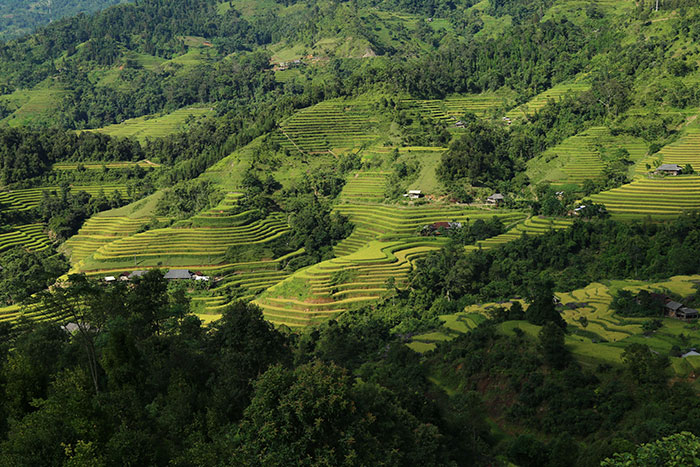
495 198
669 169
177 274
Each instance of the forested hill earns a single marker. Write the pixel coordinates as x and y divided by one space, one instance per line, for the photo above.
369 232
19 17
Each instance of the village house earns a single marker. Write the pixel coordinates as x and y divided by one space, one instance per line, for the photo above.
687 313
136 274
495 199
435 227
414 194
178 274
672 307
669 169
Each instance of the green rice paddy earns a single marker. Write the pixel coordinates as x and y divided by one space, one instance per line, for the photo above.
583 156
538 225
24 199
555 93
31 236
655 197
331 125
326 289
382 221
602 335
156 126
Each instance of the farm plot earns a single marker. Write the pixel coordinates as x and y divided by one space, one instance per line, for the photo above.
556 93
22 200
31 236
156 127
243 281
583 156
655 197
365 187
336 124
326 289
684 151
34 313
453 108
100 165
98 231
186 246
538 225
374 221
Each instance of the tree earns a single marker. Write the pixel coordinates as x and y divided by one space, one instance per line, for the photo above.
541 298
679 449
82 302
645 366
552 346
316 414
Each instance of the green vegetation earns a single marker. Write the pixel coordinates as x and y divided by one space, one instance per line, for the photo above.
157 126
270 147
21 17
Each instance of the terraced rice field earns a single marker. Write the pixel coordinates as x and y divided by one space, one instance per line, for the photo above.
195 245
335 124
601 320
537 225
32 105
243 281
365 187
324 290
556 93
22 200
98 231
376 221
455 107
655 197
602 335
33 313
583 156
156 127
31 236
684 151
101 165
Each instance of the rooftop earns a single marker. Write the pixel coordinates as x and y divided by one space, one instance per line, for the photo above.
178 274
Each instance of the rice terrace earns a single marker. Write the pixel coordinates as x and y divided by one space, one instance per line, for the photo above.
306 232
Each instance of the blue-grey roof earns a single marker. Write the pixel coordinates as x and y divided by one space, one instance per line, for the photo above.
178 274
669 167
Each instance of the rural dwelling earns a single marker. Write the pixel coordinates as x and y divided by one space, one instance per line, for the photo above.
460 124
414 194
495 199
669 169
124 276
687 313
672 307
110 279
198 276
434 228
70 328
177 274
136 274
